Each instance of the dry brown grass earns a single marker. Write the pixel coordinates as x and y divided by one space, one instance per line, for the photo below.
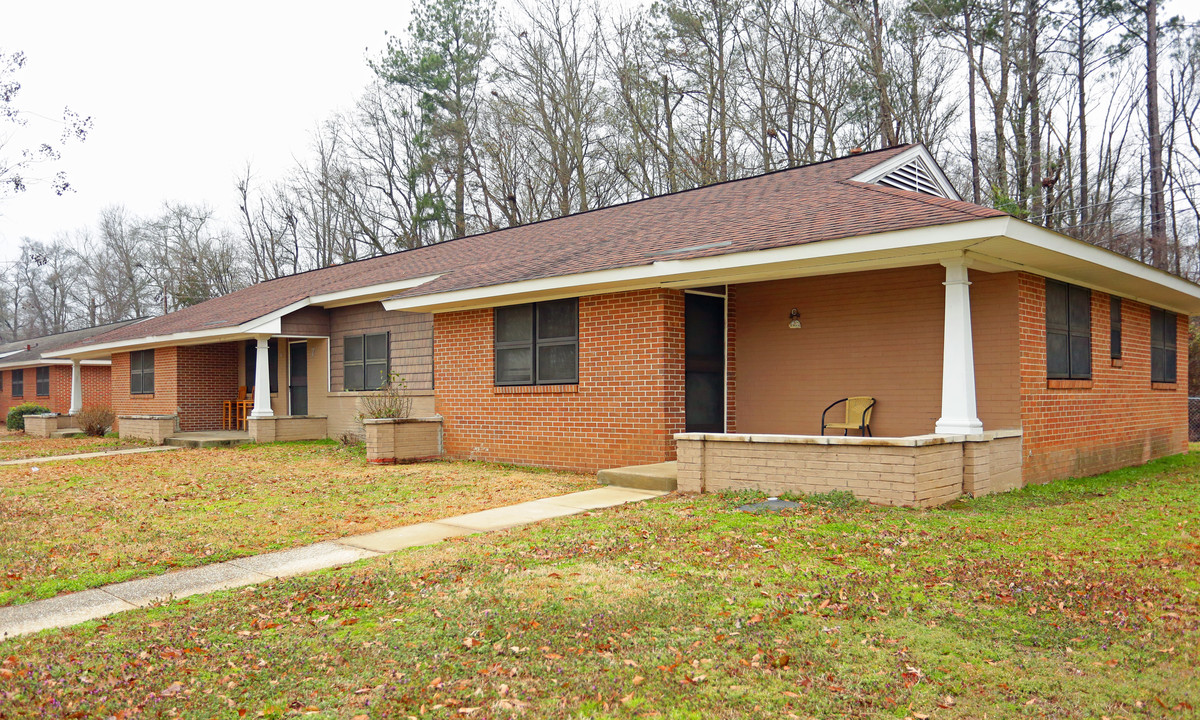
79 524
18 445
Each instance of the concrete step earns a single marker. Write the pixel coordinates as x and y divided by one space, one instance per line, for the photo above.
65 432
659 476
195 440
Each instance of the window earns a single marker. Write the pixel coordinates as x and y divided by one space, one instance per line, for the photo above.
18 383
42 381
1162 346
1114 321
1068 331
141 372
538 343
365 361
272 364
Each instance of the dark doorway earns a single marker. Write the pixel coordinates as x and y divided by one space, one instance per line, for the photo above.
704 366
298 378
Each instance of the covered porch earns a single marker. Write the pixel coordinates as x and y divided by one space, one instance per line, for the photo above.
764 359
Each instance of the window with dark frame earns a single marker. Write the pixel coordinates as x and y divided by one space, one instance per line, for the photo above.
41 378
537 343
18 383
272 364
141 372
1068 331
366 361
1162 346
1114 321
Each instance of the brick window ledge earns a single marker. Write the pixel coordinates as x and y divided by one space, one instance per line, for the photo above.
1054 384
533 389
1163 386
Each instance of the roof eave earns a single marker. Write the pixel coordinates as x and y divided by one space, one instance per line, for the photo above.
993 244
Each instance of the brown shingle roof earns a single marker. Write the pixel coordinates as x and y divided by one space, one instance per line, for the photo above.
787 207
15 352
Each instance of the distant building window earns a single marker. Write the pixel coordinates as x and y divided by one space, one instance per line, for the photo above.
42 381
1162 346
272 364
537 343
1068 331
18 383
365 361
1114 322
141 372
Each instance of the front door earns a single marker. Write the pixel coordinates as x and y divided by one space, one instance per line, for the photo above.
298 378
704 364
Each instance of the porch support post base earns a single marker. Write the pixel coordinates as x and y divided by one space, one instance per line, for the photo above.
959 413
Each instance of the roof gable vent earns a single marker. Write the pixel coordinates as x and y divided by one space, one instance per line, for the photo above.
913 175
912 169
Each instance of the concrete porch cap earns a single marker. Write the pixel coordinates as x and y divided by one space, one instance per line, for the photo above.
907 441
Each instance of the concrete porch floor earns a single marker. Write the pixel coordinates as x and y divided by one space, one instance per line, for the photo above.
208 438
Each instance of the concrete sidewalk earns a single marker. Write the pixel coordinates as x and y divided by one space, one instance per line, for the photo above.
74 608
85 456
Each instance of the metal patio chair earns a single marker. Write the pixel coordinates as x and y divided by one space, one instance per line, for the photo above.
858 416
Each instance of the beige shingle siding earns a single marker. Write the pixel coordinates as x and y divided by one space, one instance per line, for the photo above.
411 351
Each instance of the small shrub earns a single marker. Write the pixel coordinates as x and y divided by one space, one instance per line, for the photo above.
349 439
390 401
16 416
95 420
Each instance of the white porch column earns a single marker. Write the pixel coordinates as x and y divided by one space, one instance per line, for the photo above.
76 388
959 414
262 380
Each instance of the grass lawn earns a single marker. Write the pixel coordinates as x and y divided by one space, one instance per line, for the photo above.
18 445
1080 599
73 525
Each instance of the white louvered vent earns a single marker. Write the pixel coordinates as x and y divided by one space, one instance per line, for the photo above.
913 175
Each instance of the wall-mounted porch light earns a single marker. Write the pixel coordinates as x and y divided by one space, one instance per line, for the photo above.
794 322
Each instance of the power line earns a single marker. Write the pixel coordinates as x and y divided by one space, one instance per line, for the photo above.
1123 199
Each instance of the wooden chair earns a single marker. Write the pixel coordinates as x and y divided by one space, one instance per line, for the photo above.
858 416
234 413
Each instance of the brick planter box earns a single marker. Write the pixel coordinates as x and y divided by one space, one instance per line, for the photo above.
155 428
918 471
393 440
41 425
285 428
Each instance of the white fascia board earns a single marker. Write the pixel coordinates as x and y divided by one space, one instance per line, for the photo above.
872 174
269 324
54 361
953 238
1094 267
358 295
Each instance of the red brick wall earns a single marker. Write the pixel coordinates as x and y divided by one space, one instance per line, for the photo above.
1116 419
192 381
207 376
625 411
94 378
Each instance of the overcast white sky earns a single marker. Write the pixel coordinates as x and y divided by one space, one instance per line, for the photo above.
182 95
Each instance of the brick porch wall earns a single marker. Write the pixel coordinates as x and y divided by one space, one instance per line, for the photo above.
1114 420
625 410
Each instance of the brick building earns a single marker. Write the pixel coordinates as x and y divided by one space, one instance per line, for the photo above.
712 327
26 376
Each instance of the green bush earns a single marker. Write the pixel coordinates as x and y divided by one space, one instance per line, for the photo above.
16 416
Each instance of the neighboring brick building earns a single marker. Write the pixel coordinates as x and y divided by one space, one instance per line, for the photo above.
28 377
714 326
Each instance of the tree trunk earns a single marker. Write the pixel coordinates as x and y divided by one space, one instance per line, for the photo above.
1158 210
971 104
